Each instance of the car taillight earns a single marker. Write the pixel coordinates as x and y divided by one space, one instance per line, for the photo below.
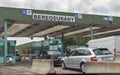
93 58
115 51
52 57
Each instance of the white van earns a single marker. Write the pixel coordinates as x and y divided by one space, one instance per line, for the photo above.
112 43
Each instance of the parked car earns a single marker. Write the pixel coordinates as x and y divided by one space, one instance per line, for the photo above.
77 58
54 55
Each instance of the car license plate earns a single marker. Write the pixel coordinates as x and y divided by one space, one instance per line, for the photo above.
107 58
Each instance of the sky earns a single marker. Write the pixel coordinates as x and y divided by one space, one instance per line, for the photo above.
102 7
22 40
108 7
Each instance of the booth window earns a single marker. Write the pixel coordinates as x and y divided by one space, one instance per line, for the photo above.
11 49
2 50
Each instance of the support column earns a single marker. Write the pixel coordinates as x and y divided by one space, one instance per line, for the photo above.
5 40
91 32
62 42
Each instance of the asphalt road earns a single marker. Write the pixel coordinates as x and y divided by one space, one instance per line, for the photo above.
15 70
25 69
59 70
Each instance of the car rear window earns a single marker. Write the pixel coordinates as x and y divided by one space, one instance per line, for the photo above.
101 51
17 55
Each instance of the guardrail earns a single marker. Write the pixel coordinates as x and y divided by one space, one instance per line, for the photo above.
102 67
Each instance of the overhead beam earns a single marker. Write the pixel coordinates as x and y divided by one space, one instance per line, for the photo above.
102 29
79 31
70 29
50 30
16 28
44 27
100 33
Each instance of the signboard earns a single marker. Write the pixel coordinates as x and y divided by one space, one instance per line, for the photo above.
108 18
78 15
26 12
49 17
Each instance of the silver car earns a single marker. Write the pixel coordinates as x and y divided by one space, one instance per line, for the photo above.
77 58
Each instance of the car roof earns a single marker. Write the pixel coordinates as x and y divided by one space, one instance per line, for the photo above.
50 51
81 48
89 48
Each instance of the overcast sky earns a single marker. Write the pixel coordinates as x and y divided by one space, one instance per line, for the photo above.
22 40
107 7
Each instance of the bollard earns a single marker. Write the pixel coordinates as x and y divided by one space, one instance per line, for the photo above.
43 66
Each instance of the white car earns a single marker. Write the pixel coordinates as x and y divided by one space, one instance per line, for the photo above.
77 58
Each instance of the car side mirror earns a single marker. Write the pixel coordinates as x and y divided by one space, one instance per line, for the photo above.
86 45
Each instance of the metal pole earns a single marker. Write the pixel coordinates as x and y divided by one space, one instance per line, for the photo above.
5 40
91 32
62 42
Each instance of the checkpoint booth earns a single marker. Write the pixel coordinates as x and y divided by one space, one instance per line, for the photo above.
22 22
11 44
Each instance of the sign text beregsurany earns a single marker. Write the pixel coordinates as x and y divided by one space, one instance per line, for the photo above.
48 17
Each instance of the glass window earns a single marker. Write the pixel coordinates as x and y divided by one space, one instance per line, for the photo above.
101 51
73 53
83 52
11 49
45 54
1 50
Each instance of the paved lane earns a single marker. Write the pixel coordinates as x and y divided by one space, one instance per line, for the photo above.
15 70
67 71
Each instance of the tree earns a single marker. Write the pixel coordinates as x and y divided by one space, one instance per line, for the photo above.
81 41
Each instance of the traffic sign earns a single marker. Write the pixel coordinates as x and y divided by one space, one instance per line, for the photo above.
78 15
26 12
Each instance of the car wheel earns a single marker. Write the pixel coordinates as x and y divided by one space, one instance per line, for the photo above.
63 65
82 67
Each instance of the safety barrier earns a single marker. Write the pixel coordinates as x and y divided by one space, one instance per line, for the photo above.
102 67
43 66
117 57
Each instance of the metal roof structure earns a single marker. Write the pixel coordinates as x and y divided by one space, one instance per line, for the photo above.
40 23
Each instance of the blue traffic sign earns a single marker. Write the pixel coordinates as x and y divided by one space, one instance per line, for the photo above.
78 15
109 18
26 12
